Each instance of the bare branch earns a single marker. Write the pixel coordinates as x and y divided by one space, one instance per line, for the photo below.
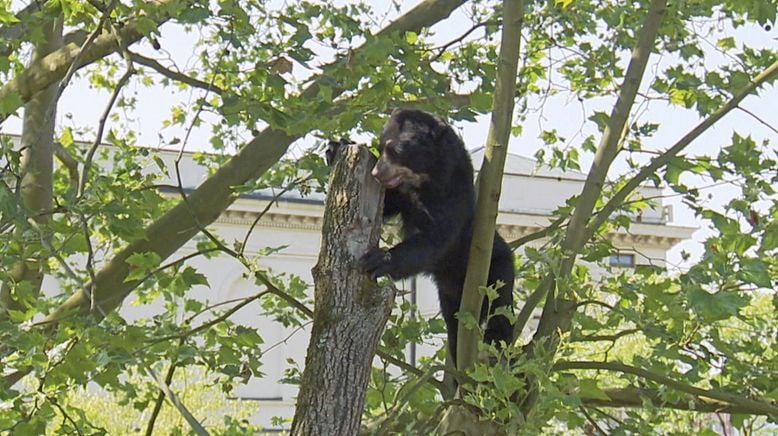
101 128
442 49
74 64
759 119
164 387
160 399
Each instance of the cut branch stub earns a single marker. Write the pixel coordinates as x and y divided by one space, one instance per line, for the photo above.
350 309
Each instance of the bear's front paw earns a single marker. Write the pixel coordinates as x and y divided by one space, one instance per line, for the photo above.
376 262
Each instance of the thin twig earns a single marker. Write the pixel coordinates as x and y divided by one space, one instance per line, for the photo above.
267 208
101 127
164 387
398 405
219 319
175 75
758 119
89 40
602 338
537 235
160 400
442 49
90 265
592 421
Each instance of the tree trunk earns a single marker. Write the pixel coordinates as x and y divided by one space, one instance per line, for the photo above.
37 168
350 309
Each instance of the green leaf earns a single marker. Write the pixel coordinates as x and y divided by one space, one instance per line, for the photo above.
11 103
141 264
726 43
601 119
481 101
66 139
756 272
191 277
588 388
724 224
193 15
7 17
716 307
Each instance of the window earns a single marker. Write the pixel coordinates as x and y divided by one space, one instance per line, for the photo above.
622 260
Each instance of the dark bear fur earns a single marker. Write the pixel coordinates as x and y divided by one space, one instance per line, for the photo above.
428 178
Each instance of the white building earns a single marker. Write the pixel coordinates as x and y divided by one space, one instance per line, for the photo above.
529 196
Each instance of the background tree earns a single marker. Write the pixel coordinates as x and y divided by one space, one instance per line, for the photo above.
625 352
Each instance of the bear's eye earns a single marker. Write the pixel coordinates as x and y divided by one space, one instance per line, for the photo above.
391 152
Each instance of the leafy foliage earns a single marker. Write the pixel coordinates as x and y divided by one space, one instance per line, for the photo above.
659 335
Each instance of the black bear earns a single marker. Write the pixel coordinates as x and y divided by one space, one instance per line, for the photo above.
428 177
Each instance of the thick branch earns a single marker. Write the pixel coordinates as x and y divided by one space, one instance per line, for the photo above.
635 397
609 143
490 180
759 407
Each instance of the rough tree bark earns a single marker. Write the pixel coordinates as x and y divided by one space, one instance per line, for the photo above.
350 309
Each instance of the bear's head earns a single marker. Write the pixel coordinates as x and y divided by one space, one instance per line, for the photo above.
410 148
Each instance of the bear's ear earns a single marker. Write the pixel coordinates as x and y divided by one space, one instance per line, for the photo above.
439 127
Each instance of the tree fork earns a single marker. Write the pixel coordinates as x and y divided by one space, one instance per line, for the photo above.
350 309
